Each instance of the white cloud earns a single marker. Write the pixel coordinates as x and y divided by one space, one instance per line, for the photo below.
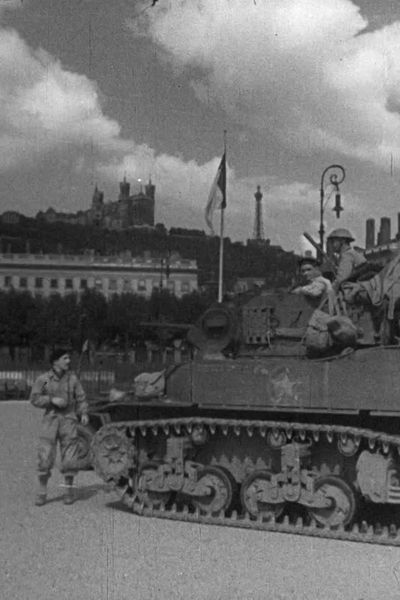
276 66
44 106
300 69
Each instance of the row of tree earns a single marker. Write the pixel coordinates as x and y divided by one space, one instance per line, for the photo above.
37 322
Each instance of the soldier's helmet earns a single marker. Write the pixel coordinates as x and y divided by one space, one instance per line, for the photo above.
343 234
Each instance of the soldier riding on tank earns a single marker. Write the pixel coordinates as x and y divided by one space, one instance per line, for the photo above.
350 260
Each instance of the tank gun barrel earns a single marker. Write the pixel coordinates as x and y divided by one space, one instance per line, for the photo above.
315 244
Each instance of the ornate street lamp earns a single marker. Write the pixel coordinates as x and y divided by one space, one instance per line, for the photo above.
335 179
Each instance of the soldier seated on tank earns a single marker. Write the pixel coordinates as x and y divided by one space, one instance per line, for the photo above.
316 287
351 262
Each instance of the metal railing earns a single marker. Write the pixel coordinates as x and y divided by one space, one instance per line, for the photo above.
17 383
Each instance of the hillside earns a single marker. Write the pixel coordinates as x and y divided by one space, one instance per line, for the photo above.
240 260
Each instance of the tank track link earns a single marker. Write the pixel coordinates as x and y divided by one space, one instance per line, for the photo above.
365 532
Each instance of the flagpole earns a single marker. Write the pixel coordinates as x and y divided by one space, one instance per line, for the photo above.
221 256
221 241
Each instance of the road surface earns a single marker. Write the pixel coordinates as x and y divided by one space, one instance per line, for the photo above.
96 550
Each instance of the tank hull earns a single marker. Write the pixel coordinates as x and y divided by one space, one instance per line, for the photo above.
365 380
280 443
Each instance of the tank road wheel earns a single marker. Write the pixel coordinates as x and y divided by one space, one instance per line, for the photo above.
150 498
251 491
221 486
343 501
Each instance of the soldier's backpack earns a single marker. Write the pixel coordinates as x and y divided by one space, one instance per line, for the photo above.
326 330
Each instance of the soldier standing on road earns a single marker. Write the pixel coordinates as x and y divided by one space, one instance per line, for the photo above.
60 393
350 260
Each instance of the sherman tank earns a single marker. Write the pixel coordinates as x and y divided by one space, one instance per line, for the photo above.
258 431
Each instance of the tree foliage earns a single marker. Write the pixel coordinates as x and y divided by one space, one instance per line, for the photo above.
120 321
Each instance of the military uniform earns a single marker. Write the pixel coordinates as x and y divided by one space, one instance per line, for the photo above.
59 424
349 261
315 291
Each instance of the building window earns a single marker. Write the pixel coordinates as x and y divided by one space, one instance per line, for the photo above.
54 284
23 282
171 286
69 284
112 284
185 287
127 285
38 282
8 281
98 284
83 284
141 285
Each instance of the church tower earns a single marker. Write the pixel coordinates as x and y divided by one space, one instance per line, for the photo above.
97 209
123 202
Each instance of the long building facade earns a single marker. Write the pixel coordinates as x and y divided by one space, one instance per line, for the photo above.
43 275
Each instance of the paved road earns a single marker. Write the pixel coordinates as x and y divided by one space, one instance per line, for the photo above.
95 550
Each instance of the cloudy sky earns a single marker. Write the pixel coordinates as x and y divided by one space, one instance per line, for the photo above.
93 89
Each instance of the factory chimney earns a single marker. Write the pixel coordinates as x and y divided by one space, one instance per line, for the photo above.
384 233
370 233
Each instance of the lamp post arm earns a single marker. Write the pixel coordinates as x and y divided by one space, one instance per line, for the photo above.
335 179
321 219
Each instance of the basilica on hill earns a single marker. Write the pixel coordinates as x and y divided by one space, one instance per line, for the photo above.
129 210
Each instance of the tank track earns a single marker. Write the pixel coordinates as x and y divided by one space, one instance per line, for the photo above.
365 532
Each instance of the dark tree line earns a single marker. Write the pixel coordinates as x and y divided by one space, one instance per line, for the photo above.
240 260
37 322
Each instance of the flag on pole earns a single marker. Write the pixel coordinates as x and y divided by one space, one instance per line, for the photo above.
217 196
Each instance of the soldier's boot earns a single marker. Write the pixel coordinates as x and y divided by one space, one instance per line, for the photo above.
41 495
69 496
